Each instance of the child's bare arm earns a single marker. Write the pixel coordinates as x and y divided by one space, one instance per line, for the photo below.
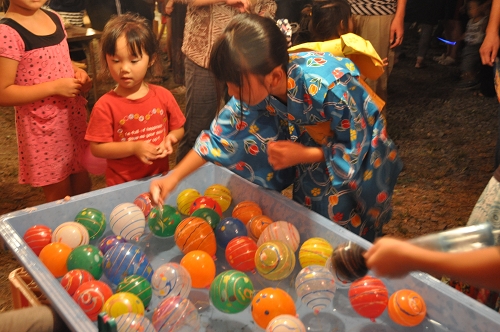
12 94
283 154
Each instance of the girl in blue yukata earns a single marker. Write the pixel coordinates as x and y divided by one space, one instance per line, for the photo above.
345 166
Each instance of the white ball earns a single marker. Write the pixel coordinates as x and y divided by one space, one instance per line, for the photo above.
127 220
285 323
71 233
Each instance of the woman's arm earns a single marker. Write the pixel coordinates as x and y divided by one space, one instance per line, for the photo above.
12 94
491 42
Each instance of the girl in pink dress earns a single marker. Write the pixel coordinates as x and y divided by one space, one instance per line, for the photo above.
38 79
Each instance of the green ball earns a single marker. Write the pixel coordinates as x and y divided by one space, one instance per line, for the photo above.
88 258
138 286
164 225
93 220
231 291
210 216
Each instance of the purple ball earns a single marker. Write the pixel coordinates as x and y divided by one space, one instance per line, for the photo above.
110 241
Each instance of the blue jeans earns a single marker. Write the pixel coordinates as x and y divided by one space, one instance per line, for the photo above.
201 104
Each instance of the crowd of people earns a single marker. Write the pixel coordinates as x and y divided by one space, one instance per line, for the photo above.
315 115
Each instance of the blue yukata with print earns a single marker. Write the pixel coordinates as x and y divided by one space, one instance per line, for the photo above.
354 185
238 139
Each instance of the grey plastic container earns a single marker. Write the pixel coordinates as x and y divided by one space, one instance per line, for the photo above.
447 309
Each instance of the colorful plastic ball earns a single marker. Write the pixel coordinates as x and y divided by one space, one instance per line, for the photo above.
201 268
231 291
133 323
221 194
54 257
228 229
348 261
246 210
128 221
314 251
144 202
283 231
37 237
340 280
110 241
93 220
406 308
74 278
209 215
315 287
194 233
88 258
368 297
71 233
176 314
274 260
126 259
185 199
162 223
240 253
285 323
270 303
256 226
205 202
123 303
171 279
91 296
138 286
93 165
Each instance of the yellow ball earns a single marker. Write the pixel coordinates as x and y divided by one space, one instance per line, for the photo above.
314 251
220 194
185 199
123 303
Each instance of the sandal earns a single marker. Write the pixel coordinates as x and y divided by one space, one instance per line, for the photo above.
447 61
439 58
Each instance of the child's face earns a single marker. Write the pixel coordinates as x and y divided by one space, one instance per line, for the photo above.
28 4
473 9
252 92
126 69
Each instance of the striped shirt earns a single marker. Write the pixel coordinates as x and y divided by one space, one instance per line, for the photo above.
373 7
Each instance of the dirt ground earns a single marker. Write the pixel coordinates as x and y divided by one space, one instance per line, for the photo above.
446 138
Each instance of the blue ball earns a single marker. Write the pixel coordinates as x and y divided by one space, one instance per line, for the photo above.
124 259
228 229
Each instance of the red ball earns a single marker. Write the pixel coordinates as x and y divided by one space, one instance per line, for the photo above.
37 237
205 202
74 278
240 253
368 297
91 296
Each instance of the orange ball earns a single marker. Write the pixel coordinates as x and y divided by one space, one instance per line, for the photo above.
270 303
257 225
195 233
406 308
54 257
201 268
246 210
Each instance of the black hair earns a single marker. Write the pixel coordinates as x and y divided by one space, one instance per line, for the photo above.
330 19
140 38
250 44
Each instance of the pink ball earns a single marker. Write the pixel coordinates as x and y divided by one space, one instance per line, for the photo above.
74 278
92 164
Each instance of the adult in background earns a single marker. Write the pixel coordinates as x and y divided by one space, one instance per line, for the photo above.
489 53
382 23
205 21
